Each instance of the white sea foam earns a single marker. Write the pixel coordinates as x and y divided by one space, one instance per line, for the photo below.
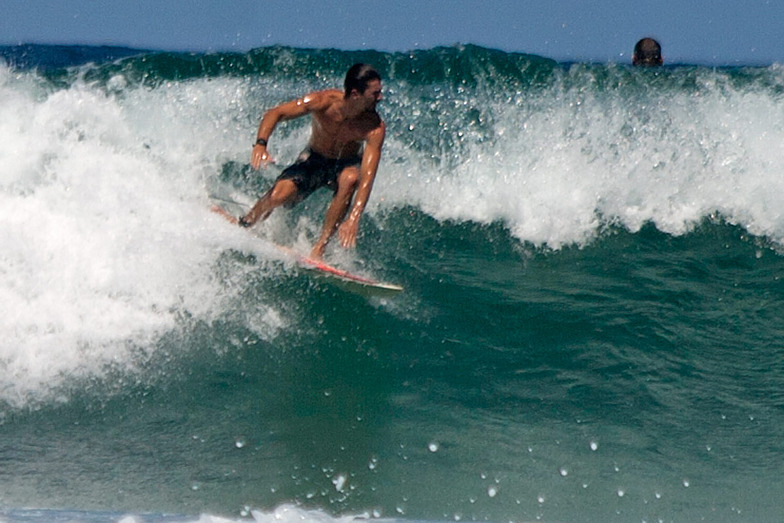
282 514
561 163
104 224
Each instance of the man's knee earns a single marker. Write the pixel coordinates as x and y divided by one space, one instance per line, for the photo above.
283 192
349 178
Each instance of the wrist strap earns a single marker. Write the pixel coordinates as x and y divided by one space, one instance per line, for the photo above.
261 141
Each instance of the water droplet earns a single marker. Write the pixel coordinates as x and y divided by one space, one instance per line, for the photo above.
594 445
621 493
339 481
492 491
433 446
564 472
239 443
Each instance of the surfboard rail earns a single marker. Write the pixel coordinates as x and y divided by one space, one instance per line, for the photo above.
320 267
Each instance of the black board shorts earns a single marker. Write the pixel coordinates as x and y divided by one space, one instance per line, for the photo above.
313 170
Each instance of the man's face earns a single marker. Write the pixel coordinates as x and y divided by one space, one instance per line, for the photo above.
372 94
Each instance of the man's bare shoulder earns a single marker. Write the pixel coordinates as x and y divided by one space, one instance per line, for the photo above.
377 124
322 100
377 132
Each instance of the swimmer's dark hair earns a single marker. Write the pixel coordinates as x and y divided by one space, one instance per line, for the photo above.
358 77
647 53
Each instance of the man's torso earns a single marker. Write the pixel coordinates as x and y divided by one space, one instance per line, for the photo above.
335 136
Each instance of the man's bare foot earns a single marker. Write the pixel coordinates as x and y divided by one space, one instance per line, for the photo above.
317 253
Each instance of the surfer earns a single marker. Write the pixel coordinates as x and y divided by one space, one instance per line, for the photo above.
342 154
647 53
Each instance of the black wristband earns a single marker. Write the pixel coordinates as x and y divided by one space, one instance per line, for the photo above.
261 141
242 222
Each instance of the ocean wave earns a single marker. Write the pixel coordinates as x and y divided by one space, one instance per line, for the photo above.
108 242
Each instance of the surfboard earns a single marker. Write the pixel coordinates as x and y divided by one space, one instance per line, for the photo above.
345 279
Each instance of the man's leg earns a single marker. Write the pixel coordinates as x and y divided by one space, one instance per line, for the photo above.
283 192
347 184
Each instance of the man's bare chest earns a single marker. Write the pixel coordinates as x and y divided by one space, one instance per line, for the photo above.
344 130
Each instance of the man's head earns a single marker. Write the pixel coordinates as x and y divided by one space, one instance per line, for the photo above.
647 53
358 77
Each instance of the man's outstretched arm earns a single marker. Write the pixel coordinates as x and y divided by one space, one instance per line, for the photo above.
285 111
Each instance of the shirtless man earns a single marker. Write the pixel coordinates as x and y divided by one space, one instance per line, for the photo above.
342 123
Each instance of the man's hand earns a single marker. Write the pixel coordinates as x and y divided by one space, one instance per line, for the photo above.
259 157
347 233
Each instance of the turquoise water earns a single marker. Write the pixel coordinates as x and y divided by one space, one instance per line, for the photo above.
591 327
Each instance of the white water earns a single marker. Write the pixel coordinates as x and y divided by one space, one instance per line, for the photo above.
563 162
281 514
104 224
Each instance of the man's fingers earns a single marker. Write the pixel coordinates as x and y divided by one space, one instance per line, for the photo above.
347 237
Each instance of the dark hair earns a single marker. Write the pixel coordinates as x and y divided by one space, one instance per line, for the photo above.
358 76
647 52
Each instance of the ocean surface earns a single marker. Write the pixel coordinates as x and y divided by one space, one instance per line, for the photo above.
592 327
